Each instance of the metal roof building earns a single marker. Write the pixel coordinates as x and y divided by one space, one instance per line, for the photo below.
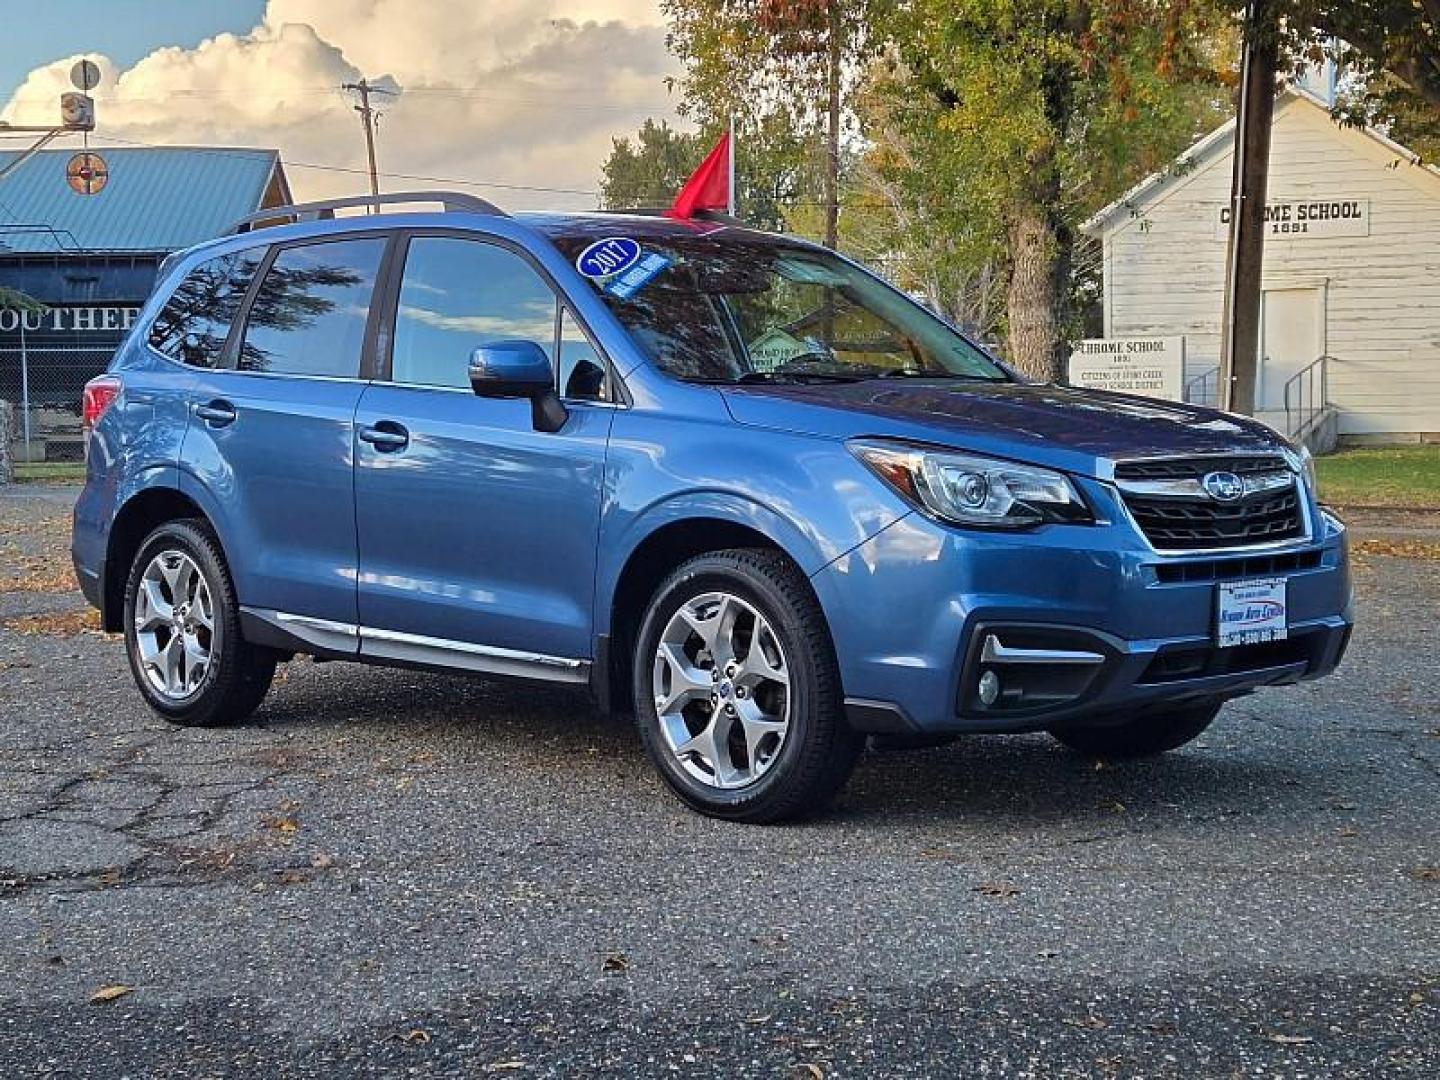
155 199
88 249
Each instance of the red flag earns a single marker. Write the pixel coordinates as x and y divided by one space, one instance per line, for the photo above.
709 186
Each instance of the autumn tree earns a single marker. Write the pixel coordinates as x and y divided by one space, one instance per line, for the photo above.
1029 114
648 171
785 70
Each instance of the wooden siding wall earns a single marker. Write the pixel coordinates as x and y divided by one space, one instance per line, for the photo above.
1164 271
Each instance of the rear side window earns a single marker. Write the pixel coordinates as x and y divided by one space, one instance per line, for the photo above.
309 314
195 321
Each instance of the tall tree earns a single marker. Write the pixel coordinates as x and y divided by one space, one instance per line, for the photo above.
1035 109
785 70
649 171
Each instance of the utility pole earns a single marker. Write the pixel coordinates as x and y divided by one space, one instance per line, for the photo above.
1249 182
367 121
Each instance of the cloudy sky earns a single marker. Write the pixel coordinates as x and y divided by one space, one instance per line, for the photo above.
508 95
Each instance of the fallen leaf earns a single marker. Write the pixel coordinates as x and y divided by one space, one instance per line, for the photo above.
110 993
759 1019
996 888
503 1066
809 1068
615 963
417 1036
1426 873
1289 1040
1091 1022
291 877
322 861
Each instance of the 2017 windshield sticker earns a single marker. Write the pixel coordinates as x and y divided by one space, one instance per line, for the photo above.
608 257
620 266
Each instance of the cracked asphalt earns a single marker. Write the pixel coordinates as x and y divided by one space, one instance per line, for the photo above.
390 872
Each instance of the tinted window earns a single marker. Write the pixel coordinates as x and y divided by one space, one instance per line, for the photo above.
582 368
195 321
309 313
732 307
458 294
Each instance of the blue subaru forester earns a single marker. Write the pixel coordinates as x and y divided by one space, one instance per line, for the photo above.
732 482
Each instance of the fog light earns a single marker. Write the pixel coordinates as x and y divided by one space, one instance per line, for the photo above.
989 688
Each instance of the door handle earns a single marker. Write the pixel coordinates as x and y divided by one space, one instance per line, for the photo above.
386 436
217 413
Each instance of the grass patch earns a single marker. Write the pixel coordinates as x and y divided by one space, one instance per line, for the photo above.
50 472
1394 476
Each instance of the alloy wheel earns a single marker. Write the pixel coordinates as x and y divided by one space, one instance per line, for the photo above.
174 624
722 690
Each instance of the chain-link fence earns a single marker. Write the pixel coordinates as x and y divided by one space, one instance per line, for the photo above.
45 385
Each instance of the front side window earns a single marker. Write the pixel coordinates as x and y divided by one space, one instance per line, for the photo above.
457 295
195 321
761 309
309 314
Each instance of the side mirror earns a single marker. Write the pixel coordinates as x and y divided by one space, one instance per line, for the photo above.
519 369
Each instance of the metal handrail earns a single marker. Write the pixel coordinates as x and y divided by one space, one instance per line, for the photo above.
1300 413
453 202
1202 396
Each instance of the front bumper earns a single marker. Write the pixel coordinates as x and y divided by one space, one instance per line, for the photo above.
910 612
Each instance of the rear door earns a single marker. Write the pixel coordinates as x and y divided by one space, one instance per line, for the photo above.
271 432
477 532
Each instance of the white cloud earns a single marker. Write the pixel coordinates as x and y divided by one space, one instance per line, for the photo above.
527 92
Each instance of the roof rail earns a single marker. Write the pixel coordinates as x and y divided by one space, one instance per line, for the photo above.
454 202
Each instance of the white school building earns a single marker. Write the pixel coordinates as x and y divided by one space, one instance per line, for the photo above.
1351 271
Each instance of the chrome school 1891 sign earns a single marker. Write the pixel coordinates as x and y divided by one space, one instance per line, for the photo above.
1301 219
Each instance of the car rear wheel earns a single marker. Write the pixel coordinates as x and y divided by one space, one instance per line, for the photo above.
737 689
182 631
1144 735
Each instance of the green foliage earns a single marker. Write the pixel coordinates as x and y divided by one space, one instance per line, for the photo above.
1003 123
15 300
649 171
1390 53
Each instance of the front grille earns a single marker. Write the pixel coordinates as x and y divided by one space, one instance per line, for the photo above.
1195 521
1186 573
1194 468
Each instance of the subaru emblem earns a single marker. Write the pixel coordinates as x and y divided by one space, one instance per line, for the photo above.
1223 486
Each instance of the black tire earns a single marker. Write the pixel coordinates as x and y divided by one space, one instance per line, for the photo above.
239 673
1145 735
819 749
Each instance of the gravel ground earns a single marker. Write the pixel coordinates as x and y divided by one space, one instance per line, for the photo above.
394 872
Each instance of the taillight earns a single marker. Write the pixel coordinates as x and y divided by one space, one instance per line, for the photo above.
100 394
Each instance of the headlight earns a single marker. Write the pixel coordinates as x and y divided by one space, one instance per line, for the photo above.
968 489
1307 467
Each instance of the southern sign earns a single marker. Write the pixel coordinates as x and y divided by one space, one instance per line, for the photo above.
1304 219
1153 367
104 319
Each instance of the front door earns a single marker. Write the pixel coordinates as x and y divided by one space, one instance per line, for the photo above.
1292 337
477 533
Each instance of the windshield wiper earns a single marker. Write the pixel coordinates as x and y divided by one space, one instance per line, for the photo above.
798 376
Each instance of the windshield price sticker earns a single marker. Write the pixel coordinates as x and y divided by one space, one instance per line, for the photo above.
1249 612
628 282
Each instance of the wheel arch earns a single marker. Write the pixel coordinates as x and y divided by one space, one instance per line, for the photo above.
677 532
136 518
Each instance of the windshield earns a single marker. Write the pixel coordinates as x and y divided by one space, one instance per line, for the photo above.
735 308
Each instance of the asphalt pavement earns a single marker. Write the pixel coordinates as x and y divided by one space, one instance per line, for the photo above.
393 872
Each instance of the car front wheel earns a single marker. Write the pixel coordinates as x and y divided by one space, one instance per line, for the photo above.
182 631
737 689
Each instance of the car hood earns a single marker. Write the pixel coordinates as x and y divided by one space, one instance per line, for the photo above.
1077 430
